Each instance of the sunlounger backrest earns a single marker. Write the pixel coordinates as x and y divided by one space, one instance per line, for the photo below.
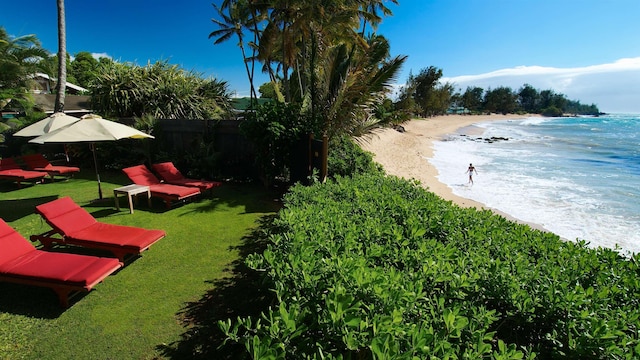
65 215
36 161
8 164
167 171
12 244
140 175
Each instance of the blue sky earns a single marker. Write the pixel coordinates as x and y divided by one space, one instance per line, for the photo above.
588 50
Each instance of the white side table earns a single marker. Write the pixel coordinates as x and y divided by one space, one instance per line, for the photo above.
131 190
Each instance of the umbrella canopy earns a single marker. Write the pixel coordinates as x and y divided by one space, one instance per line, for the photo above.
91 129
48 124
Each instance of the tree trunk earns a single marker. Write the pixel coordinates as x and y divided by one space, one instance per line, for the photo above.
62 59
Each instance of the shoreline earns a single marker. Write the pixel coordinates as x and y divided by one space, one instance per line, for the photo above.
406 154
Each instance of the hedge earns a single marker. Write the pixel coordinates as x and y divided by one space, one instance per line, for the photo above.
375 267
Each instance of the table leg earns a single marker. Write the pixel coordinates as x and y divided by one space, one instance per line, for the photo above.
130 203
149 198
115 196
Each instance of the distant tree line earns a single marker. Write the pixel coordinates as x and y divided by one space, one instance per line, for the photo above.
424 95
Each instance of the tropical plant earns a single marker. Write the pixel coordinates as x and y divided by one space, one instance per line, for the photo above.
352 84
161 90
19 58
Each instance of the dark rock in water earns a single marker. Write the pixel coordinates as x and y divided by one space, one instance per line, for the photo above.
400 128
495 138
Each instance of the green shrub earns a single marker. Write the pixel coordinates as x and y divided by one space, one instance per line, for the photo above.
275 129
346 158
376 267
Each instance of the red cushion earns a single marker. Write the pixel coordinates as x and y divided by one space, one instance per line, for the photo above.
65 215
167 171
170 174
40 163
19 259
173 190
12 244
128 237
74 269
8 163
58 169
22 174
35 160
201 184
140 175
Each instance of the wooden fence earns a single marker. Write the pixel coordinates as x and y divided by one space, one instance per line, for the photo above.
236 152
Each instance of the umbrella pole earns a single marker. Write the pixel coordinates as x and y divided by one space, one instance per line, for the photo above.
95 162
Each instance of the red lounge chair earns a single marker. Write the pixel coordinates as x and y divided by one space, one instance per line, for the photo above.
140 175
10 170
66 274
37 162
168 173
76 226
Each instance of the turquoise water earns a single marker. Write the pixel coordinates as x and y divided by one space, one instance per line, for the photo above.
578 177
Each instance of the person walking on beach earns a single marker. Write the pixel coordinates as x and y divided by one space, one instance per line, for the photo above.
470 170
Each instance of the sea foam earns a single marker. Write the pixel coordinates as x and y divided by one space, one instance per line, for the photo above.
576 177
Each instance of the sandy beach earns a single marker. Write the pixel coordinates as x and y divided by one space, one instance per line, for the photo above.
406 154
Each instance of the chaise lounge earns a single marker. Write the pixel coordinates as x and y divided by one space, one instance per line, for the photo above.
76 226
66 274
10 170
37 162
140 175
168 173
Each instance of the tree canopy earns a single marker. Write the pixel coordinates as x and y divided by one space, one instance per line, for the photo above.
318 52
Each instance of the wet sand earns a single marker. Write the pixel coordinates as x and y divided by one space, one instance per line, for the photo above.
406 154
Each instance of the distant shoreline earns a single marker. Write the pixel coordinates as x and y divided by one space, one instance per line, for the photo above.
406 154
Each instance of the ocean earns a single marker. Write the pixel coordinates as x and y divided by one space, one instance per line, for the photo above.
578 177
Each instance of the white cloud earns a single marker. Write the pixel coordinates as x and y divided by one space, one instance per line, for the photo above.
97 56
613 87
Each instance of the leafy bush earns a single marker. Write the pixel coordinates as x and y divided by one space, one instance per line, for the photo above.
346 158
377 267
275 129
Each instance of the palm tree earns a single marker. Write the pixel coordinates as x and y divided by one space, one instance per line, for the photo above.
18 60
352 84
62 58
370 15
233 23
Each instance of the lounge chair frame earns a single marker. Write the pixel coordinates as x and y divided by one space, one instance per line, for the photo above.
169 173
65 289
60 212
10 170
37 162
169 193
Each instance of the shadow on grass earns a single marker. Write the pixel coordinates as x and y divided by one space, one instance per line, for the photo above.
12 210
242 294
31 301
253 197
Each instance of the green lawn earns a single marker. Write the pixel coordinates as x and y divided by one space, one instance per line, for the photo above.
150 308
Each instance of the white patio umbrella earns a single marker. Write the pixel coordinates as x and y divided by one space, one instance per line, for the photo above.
46 125
91 129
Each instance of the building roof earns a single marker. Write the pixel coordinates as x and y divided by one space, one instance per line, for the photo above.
72 103
71 86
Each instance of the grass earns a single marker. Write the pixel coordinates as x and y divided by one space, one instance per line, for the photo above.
161 305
